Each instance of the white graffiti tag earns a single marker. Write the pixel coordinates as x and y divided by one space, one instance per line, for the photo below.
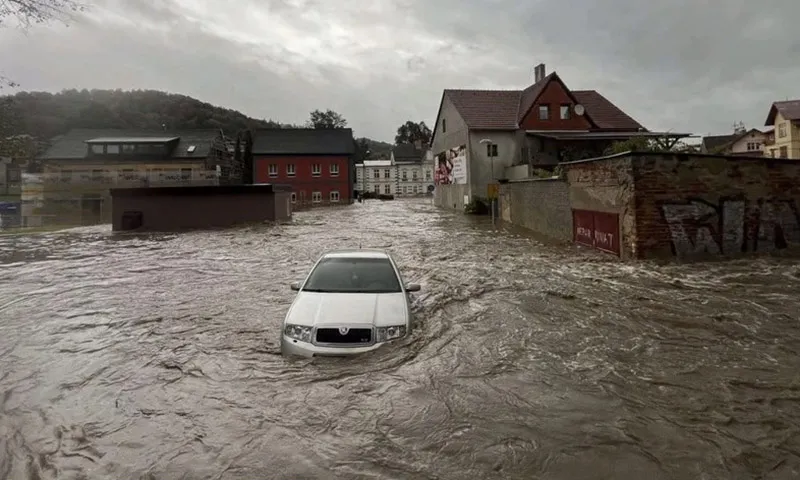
697 227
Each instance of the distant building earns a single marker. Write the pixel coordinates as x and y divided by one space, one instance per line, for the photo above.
81 166
408 172
317 163
784 117
743 142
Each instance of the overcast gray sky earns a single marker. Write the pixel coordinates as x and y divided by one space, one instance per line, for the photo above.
684 65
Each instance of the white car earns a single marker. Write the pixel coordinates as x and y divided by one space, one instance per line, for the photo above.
352 301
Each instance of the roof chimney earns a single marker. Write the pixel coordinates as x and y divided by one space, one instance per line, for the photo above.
538 73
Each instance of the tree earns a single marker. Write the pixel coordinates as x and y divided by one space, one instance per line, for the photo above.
326 119
362 151
411 132
30 12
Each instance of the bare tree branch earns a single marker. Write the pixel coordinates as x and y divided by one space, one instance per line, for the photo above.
30 12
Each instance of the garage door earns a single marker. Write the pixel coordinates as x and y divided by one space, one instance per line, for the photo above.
598 230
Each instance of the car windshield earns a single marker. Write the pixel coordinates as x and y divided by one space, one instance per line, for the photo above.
353 275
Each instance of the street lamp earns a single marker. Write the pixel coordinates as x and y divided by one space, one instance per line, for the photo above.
491 152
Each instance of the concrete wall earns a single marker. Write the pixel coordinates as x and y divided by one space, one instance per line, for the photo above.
540 205
606 186
480 165
700 206
451 196
517 172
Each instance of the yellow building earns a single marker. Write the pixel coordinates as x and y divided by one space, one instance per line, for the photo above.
785 117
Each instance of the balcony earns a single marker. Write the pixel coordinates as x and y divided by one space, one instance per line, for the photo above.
120 179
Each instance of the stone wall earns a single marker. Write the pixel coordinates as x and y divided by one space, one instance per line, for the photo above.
699 206
607 186
540 205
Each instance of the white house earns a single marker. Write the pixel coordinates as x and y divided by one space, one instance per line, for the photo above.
409 172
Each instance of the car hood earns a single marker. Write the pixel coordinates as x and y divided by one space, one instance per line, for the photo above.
320 309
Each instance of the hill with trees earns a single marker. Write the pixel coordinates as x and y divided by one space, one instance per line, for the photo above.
45 115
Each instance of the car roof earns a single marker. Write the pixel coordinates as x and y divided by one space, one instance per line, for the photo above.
357 253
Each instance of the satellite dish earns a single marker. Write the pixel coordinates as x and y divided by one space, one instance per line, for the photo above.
579 110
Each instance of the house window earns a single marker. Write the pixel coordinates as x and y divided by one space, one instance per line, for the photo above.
376 173
316 170
294 197
405 175
772 152
112 149
544 112
290 170
782 130
14 175
376 188
405 189
784 152
387 189
334 196
414 175
334 170
316 197
427 174
751 146
491 150
444 126
565 112
387 173
273 170
97 149
186 173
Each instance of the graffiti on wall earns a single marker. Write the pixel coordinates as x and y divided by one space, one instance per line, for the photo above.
451 166
732 226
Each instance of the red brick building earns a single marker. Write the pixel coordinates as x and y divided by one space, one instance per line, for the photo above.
316 163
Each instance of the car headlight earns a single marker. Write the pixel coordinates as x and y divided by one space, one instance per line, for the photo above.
298 332
384 334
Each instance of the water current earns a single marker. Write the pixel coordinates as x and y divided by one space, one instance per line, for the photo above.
157 357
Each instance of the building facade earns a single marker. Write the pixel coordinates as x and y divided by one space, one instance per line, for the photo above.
81 166
409 172
316 163
784 117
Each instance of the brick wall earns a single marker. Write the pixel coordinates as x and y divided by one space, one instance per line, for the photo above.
540 205
696 206
606 186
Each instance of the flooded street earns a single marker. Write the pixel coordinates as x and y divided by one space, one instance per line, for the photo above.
157 357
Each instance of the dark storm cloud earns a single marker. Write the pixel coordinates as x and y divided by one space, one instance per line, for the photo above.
678 64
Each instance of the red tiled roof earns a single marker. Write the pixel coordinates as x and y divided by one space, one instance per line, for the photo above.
603 113
504 109
490 109
789 109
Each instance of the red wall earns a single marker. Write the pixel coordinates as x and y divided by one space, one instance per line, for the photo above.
303 183
554 95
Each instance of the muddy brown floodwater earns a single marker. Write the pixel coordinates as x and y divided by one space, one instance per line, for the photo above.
157 357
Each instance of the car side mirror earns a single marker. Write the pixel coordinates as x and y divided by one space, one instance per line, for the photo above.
295 286
413 287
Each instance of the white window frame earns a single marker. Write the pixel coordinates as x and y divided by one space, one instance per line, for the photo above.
316 170
316 197
387 189
376 173
294 197
273 170
334 196
291 170
334 169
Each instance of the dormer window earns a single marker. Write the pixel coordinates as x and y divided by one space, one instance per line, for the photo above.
544 112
